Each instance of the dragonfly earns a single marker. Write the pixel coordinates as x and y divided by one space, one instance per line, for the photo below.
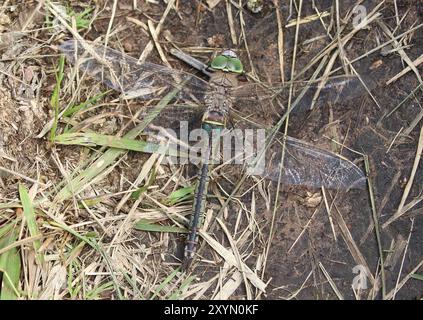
302 163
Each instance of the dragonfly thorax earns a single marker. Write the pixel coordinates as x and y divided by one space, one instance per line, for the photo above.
223 79
218 99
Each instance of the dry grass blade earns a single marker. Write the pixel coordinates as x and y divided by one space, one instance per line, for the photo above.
374 15
229 287
403 258
212 3
392 293
410 182
402 53
308 19
92 243
328 211
415 63
397 248
159 49
297 292
351 244
17 174
237 255
18 243
304 229
112 18
146 169
331 282
231 23
280 40
411 94
232 261
377 229
276 129
150 45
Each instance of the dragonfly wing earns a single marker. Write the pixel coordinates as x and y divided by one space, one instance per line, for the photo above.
310 166
333 90
125 74
174 116
304 94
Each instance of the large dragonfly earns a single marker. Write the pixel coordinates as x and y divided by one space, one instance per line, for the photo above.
302 163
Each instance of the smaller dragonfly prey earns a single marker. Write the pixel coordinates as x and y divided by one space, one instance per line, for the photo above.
303 164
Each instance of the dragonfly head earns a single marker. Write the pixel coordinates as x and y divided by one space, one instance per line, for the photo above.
228 61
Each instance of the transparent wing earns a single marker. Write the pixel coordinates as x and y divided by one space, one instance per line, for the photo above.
305 95
309 166
135 80
174 115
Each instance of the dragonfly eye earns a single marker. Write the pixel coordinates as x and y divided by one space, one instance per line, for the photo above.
227 64
219 62
235 65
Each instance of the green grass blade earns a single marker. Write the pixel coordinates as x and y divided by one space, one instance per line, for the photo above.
54 100
145 225
180 195
95 293
90 139
136 194
90 202
10 265
417 276
82 19
12 270
74 287
5 229
31 221
177 293
165 282
84 105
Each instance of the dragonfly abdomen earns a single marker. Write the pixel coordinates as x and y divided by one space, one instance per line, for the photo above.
212 120
197 217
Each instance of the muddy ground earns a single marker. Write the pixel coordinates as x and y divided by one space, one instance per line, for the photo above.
303 249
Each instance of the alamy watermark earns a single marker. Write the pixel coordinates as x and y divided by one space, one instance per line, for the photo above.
360 16
360 281
236 146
